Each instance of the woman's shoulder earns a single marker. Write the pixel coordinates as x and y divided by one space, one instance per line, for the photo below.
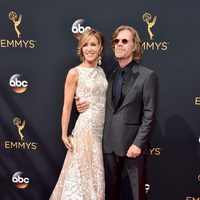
73 73
101 68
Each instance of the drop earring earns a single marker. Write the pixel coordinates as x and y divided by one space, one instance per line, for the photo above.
99 60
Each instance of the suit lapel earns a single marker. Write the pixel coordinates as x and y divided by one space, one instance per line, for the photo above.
129 87
132 79
110 88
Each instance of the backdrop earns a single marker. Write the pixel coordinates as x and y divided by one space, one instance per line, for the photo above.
37 48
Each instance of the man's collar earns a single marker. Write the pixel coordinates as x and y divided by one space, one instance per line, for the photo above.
128 66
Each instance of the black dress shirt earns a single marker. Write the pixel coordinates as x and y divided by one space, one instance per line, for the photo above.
127 80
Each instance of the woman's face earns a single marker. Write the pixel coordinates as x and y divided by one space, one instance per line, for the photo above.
91 50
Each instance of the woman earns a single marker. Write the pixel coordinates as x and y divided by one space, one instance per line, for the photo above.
82 175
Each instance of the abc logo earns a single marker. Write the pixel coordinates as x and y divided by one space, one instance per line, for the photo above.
78 28
19 180
17 84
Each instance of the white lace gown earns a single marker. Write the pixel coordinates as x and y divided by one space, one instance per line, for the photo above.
82 174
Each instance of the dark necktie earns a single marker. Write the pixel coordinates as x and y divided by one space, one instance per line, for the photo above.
118 88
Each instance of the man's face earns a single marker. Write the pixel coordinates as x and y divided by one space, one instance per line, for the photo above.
123 45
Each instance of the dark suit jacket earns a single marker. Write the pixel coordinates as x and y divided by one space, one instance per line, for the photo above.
132 122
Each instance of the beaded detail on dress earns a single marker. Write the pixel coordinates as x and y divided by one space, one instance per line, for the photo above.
82 174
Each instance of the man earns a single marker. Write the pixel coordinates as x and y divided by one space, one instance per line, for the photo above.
130 110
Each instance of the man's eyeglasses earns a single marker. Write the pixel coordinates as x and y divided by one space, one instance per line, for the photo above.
116 41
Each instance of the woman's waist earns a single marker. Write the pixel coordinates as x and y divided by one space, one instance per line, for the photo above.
94 111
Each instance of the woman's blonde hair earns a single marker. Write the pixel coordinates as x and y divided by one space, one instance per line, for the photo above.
137 53
87 34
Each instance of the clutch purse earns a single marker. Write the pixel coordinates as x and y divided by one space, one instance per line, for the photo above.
71 140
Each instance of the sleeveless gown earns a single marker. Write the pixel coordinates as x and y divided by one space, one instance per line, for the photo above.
82 174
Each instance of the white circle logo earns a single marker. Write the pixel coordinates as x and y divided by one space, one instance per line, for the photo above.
78 28
19 180
17 84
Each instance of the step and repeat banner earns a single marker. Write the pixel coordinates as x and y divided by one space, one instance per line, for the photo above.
38 41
